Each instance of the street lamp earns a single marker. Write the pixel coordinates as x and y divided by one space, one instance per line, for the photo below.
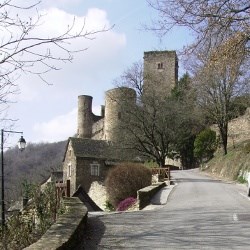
21 145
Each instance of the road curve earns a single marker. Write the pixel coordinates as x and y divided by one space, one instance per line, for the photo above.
201 213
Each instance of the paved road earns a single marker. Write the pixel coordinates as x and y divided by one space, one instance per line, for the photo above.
201 213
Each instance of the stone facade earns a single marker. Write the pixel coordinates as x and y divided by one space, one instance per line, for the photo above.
115 104
105 126
160 72
238 128
88 160
85 161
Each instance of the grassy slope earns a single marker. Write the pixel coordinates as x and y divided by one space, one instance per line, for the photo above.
233 165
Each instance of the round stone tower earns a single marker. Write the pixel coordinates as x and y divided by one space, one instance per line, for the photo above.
85 121
116 102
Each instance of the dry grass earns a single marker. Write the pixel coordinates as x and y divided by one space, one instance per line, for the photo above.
233 165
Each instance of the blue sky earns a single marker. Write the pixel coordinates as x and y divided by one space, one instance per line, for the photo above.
48 113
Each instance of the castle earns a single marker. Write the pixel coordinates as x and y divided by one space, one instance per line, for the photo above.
160 65
89 156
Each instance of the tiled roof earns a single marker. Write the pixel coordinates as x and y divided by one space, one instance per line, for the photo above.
89 148
100 149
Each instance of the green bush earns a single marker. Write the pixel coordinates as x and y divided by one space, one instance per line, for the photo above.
205 144
124 180
109 206
241 179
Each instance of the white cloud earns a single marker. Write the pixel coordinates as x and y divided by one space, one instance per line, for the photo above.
57 129
39 105
87 67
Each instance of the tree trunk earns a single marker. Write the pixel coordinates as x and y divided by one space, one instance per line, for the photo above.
224 135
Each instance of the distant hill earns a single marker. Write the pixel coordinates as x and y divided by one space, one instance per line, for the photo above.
34 164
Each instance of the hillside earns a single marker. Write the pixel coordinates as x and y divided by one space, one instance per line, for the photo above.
34 164
37 161
232 166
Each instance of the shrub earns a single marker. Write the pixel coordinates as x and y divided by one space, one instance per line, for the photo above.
205 144
125 204
241 179
109 206
124 180
24 228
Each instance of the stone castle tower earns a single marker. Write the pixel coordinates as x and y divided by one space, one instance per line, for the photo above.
160 74
85 116
116 100
105 126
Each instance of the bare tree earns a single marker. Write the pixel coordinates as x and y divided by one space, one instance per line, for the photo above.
221 29
24 51
133 78
208 20
221 76
157 124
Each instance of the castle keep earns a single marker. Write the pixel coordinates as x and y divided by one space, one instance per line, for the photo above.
160 72
89 156
160 65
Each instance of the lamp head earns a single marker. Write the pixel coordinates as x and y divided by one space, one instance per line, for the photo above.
21 143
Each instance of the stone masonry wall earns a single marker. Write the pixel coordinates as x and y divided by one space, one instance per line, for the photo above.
68 231
69 169
160 71
238 128
98 130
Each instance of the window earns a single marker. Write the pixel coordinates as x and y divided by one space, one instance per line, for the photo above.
160 65
94 169
69 170
119 115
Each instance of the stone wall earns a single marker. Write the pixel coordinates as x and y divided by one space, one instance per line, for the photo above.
238 129
68 231
145 195
83 172
98 130
160 72
84 118
98 193
117 101
69 168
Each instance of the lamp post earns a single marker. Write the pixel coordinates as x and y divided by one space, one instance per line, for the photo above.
21 145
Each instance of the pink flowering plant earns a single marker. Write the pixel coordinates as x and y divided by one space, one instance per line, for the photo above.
125 204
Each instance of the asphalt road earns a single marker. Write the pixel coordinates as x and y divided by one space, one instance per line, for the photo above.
201 213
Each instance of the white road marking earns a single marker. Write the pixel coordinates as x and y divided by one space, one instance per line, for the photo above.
245 196
235 217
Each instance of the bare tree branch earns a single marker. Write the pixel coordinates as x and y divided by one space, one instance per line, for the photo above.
22 52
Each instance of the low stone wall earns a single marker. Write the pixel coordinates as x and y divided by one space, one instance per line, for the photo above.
145 195
68 229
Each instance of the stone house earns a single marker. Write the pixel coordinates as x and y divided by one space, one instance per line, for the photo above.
87 160
90 155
